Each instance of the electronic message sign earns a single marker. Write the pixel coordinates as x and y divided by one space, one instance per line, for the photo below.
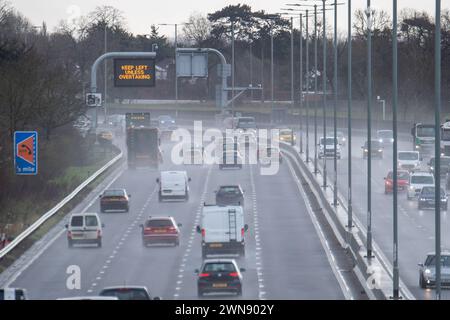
134 72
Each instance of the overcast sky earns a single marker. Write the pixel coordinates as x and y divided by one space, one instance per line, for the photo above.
141 14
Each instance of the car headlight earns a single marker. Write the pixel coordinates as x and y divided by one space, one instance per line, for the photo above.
380 150
411 188
431 168
417 147
422 199
380 140
343 139
365 150
427 271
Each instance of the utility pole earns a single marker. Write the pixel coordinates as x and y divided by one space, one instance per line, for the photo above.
292 71
307 85
232 71
106 73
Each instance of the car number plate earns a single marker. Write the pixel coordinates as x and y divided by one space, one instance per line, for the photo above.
215 245
159 230
219 285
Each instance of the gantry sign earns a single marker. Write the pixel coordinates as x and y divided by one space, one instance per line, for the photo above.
134 72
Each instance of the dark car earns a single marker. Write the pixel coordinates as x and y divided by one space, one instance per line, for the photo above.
376 149
219 276
115 199
402 181
427 270
231 195
444 165
127 293
160 230
427 198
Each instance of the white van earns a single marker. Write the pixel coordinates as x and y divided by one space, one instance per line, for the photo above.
84 228
409 160
223 230
173 185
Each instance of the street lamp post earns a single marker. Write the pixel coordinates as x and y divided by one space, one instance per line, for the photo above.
292 72
301 93
324 95
315 89
395 290
349 118
106 73
307 85
335 201
369 133
437 151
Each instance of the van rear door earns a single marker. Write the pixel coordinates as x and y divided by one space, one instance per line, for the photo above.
223 225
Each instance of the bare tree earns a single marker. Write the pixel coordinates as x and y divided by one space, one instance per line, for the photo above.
380 22
198 29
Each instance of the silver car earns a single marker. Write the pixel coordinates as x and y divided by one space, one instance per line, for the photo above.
427 270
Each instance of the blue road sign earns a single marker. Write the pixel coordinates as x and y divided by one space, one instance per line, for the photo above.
26 152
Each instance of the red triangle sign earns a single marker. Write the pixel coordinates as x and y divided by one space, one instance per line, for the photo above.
25 150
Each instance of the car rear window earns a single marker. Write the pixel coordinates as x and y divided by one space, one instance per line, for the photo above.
114 193
229 190
219 267
126 294
77 221
159 223
91 221
422 179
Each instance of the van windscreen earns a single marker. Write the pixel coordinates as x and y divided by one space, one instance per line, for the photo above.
91 221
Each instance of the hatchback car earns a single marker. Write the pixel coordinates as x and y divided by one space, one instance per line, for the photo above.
427 270
376 149
160 230
231 195
127 293
402 181
219 276
84 228
166 122
115 199
427 198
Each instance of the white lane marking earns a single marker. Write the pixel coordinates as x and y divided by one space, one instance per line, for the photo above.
339 277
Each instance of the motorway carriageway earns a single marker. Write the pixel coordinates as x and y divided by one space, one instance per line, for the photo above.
285 257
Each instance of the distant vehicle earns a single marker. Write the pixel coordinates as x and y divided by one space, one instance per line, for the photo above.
418 180
287 135
376 149
219 275
84 228
230 159
160 230
13 294
230 195
173 185
341 138
444 165
89 298
166 123
105 137
223 230
385 136
115 120
143 146
427 270
115 199
409 160
445 138
427 197
423 137
137 119
245 123
267 153
402 181
326 148
127 293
